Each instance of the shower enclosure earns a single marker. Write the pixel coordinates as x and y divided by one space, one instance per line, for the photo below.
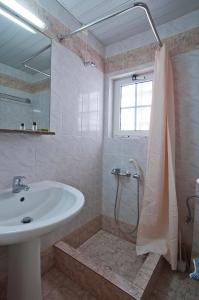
101 256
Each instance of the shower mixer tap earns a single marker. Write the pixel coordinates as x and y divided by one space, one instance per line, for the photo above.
136 175
117 171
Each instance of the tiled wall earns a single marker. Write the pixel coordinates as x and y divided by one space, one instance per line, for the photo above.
116 154
186 80
73 155
177 44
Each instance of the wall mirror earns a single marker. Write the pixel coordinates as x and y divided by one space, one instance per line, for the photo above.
25 67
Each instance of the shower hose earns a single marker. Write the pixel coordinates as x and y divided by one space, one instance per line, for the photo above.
137 177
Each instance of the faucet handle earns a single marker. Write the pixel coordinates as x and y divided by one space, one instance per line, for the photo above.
18 185
18 179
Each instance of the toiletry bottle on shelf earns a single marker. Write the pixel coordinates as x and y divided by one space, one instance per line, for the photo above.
34 126
22 126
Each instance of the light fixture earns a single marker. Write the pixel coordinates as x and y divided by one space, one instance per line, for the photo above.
136 77
16 20
24 13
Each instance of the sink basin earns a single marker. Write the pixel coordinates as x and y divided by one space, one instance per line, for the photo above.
47 204
26 216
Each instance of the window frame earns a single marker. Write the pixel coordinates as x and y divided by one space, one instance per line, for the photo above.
117 84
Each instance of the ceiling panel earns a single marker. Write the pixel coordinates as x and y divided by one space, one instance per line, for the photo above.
132 23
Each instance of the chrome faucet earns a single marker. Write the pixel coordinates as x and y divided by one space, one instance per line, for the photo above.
17 184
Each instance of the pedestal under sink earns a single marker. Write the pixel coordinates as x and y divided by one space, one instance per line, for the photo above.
24 218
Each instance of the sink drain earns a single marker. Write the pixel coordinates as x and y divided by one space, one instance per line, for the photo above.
26 220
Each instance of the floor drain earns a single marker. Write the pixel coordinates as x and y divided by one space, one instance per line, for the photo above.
26 220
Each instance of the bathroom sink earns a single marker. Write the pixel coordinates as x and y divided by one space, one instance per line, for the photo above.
24 218
32 213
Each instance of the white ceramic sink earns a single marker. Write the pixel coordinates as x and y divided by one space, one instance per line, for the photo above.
48 204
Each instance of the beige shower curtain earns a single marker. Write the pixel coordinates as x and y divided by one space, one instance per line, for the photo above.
158 227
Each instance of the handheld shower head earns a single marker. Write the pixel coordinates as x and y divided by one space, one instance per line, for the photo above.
136 165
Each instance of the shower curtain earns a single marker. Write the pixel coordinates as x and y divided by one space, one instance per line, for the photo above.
158 227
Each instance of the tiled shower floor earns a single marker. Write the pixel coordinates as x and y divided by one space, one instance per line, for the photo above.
113 253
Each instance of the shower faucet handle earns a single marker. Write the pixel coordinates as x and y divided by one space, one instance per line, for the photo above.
136 176
125 174
116 171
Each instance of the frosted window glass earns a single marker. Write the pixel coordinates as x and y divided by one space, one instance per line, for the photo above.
143 118
128 95
127 121
144 93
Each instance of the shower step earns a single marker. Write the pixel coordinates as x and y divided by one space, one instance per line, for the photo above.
102 282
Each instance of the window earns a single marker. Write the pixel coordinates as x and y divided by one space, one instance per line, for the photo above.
132 105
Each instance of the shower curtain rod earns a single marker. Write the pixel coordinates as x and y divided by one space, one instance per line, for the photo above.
24 63
141 5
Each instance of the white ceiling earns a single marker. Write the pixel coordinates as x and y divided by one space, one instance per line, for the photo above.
18 44
132 23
